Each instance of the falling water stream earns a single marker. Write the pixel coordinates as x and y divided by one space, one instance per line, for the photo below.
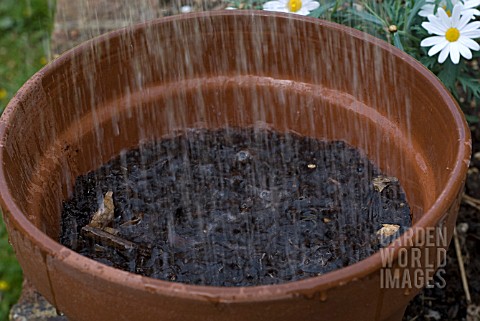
182 74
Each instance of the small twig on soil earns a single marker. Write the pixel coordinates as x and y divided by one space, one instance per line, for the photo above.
463 274
473 202
106 239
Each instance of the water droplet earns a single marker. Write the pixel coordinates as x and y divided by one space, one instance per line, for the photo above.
243 156
265 195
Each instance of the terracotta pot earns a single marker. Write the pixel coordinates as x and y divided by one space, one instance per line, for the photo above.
227 69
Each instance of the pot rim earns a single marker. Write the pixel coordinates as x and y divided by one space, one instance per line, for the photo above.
311 285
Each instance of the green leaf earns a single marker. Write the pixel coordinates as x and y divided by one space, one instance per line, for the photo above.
413 13
320 11
471 86
366 17
449 75
428 61
449 5
397 41
6 23
472 119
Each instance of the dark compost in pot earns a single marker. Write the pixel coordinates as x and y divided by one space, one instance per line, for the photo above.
235 207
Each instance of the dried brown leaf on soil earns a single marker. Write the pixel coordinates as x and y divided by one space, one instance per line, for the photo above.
380 182
104 215
388 230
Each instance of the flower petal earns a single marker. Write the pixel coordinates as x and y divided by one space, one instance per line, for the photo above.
464 51
471 34
456 12
454 53
274 5
302 12
431 28
444 54
472 44
463 21
312 5
472 12
444 18
427 9
438 47
471 26
430 41
437 21
471 4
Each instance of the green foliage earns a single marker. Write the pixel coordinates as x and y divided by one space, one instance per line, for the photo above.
390 20
378 17
25 27
471 86
10 275
245 4
330 9
324 9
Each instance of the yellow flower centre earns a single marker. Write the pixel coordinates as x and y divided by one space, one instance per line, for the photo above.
452 34
294 5
448 12
4 285
3 93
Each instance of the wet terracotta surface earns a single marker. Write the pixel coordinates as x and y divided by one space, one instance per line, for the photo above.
345 96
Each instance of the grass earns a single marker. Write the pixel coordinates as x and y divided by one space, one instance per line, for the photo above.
25 27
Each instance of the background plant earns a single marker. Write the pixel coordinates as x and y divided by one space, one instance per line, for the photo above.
25 28
398 22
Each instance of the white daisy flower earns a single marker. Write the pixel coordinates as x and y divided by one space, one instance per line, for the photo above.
454 35
301 7
469 7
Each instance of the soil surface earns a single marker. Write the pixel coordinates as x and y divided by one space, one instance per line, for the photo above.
236 207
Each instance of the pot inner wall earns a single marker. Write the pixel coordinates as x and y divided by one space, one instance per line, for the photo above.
267 103
321 81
